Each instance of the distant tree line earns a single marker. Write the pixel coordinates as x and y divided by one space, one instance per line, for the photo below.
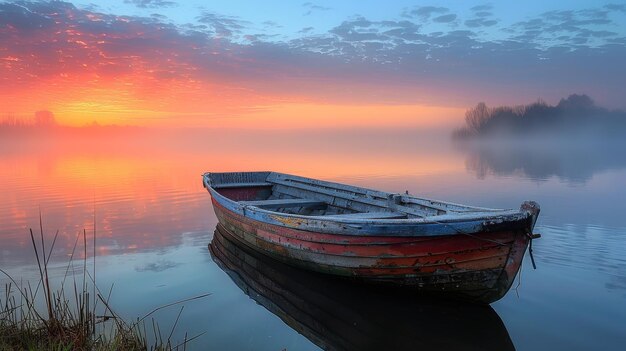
41 119
43 123
576 113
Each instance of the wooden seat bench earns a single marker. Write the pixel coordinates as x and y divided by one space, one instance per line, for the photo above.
369 215
241 185
284 203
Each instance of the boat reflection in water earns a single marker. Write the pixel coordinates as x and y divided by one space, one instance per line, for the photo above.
337 314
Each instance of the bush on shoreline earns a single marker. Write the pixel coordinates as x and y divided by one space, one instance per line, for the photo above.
575 114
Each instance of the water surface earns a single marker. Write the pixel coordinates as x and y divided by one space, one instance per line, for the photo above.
154 222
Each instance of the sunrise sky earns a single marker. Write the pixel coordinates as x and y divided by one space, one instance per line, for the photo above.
277 64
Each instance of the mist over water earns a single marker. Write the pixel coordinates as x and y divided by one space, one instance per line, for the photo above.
154 220
571 159
572 140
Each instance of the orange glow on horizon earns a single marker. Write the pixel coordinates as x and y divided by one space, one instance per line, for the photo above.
196 104
312 115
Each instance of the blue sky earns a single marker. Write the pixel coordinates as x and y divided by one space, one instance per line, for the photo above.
286 19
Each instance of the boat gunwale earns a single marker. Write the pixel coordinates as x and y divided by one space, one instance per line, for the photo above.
492 216
364 191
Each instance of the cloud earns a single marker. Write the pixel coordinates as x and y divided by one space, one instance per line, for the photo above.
483 14
223 26
271 24
305 30
616 7
259 37
359 29
481 8
151 4
360 59
445 18
480 22
311 7
68 46
483 17
567 27
424 12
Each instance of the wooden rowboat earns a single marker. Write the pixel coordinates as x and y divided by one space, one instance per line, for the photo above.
374 236
337 315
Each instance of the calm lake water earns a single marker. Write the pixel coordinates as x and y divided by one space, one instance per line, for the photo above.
154 223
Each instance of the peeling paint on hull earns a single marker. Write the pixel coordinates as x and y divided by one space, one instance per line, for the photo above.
480 267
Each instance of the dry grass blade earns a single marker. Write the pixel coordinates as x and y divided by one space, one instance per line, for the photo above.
175 323
172 304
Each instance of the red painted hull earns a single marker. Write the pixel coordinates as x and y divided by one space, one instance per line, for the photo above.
479 267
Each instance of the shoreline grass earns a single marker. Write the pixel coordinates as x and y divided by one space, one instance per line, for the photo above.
79 320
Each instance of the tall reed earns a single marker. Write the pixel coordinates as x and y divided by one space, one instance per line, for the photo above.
84 320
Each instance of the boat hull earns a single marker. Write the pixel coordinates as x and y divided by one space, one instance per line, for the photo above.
338 315
480 266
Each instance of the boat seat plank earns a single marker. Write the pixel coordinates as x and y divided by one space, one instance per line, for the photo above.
382 204
283 203
280 177
241 185
369 215
432 207
332 200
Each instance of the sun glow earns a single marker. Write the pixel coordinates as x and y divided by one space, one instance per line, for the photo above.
79 112
323 115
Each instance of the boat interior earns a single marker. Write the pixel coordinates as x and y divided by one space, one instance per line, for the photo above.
291 194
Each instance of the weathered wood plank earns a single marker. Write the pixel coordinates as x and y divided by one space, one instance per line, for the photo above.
283 203
443 206
344 204
277 177
241 185
236 177
369 215
383 204
429 205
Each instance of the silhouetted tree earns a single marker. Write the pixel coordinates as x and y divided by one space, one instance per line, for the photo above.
477 116
577 102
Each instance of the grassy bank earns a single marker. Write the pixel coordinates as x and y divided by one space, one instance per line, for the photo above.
76 315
